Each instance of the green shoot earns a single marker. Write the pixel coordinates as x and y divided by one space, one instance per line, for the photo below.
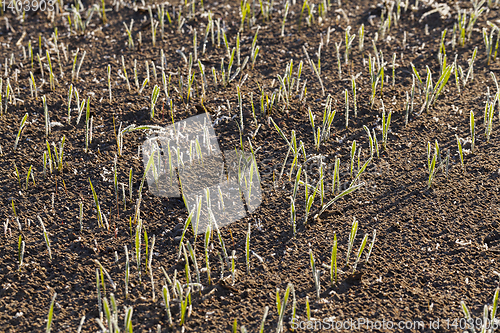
23 122
96 201
472 131
166 299
360 252
129 33
385 126
46 237
339 196
460 151
138 247
353 153
315 274
109 83
247 249
20 251
432 163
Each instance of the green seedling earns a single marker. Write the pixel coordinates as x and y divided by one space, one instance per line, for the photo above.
23 122
353 153
281 305
315 274
460 151
472 131
432 162
333 261
154 98
166 299
46 237
20 251
51 314
352 237
247 249
98 207
129 33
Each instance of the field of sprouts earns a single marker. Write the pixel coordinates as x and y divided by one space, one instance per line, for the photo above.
374 126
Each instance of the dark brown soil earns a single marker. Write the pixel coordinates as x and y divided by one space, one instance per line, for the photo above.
434 247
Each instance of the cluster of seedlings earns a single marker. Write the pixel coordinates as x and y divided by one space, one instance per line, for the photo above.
190 85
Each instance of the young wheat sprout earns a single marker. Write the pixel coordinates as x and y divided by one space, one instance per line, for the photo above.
23 122
109 83
51 313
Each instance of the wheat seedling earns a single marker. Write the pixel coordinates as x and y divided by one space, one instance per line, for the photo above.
80 204
360 170
193 259
348 42
206 242
460 151
166 299
1 87
310 197
385 126
315 274
370 140
19 181
472 131
281 306
287 6
51 313
375 77
352 237
360 252
393 68
233 267
20 251
339 196
485 321
109 82
333 261
23 122
28 177
154 98
432 163
129 33
98 207
186 225
247 249
51 73
489 113
88 126
80 64
127 271
336 175
353 153
45 236
346 98
144 83
61 154
353 85
184 305
46 114
470 71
